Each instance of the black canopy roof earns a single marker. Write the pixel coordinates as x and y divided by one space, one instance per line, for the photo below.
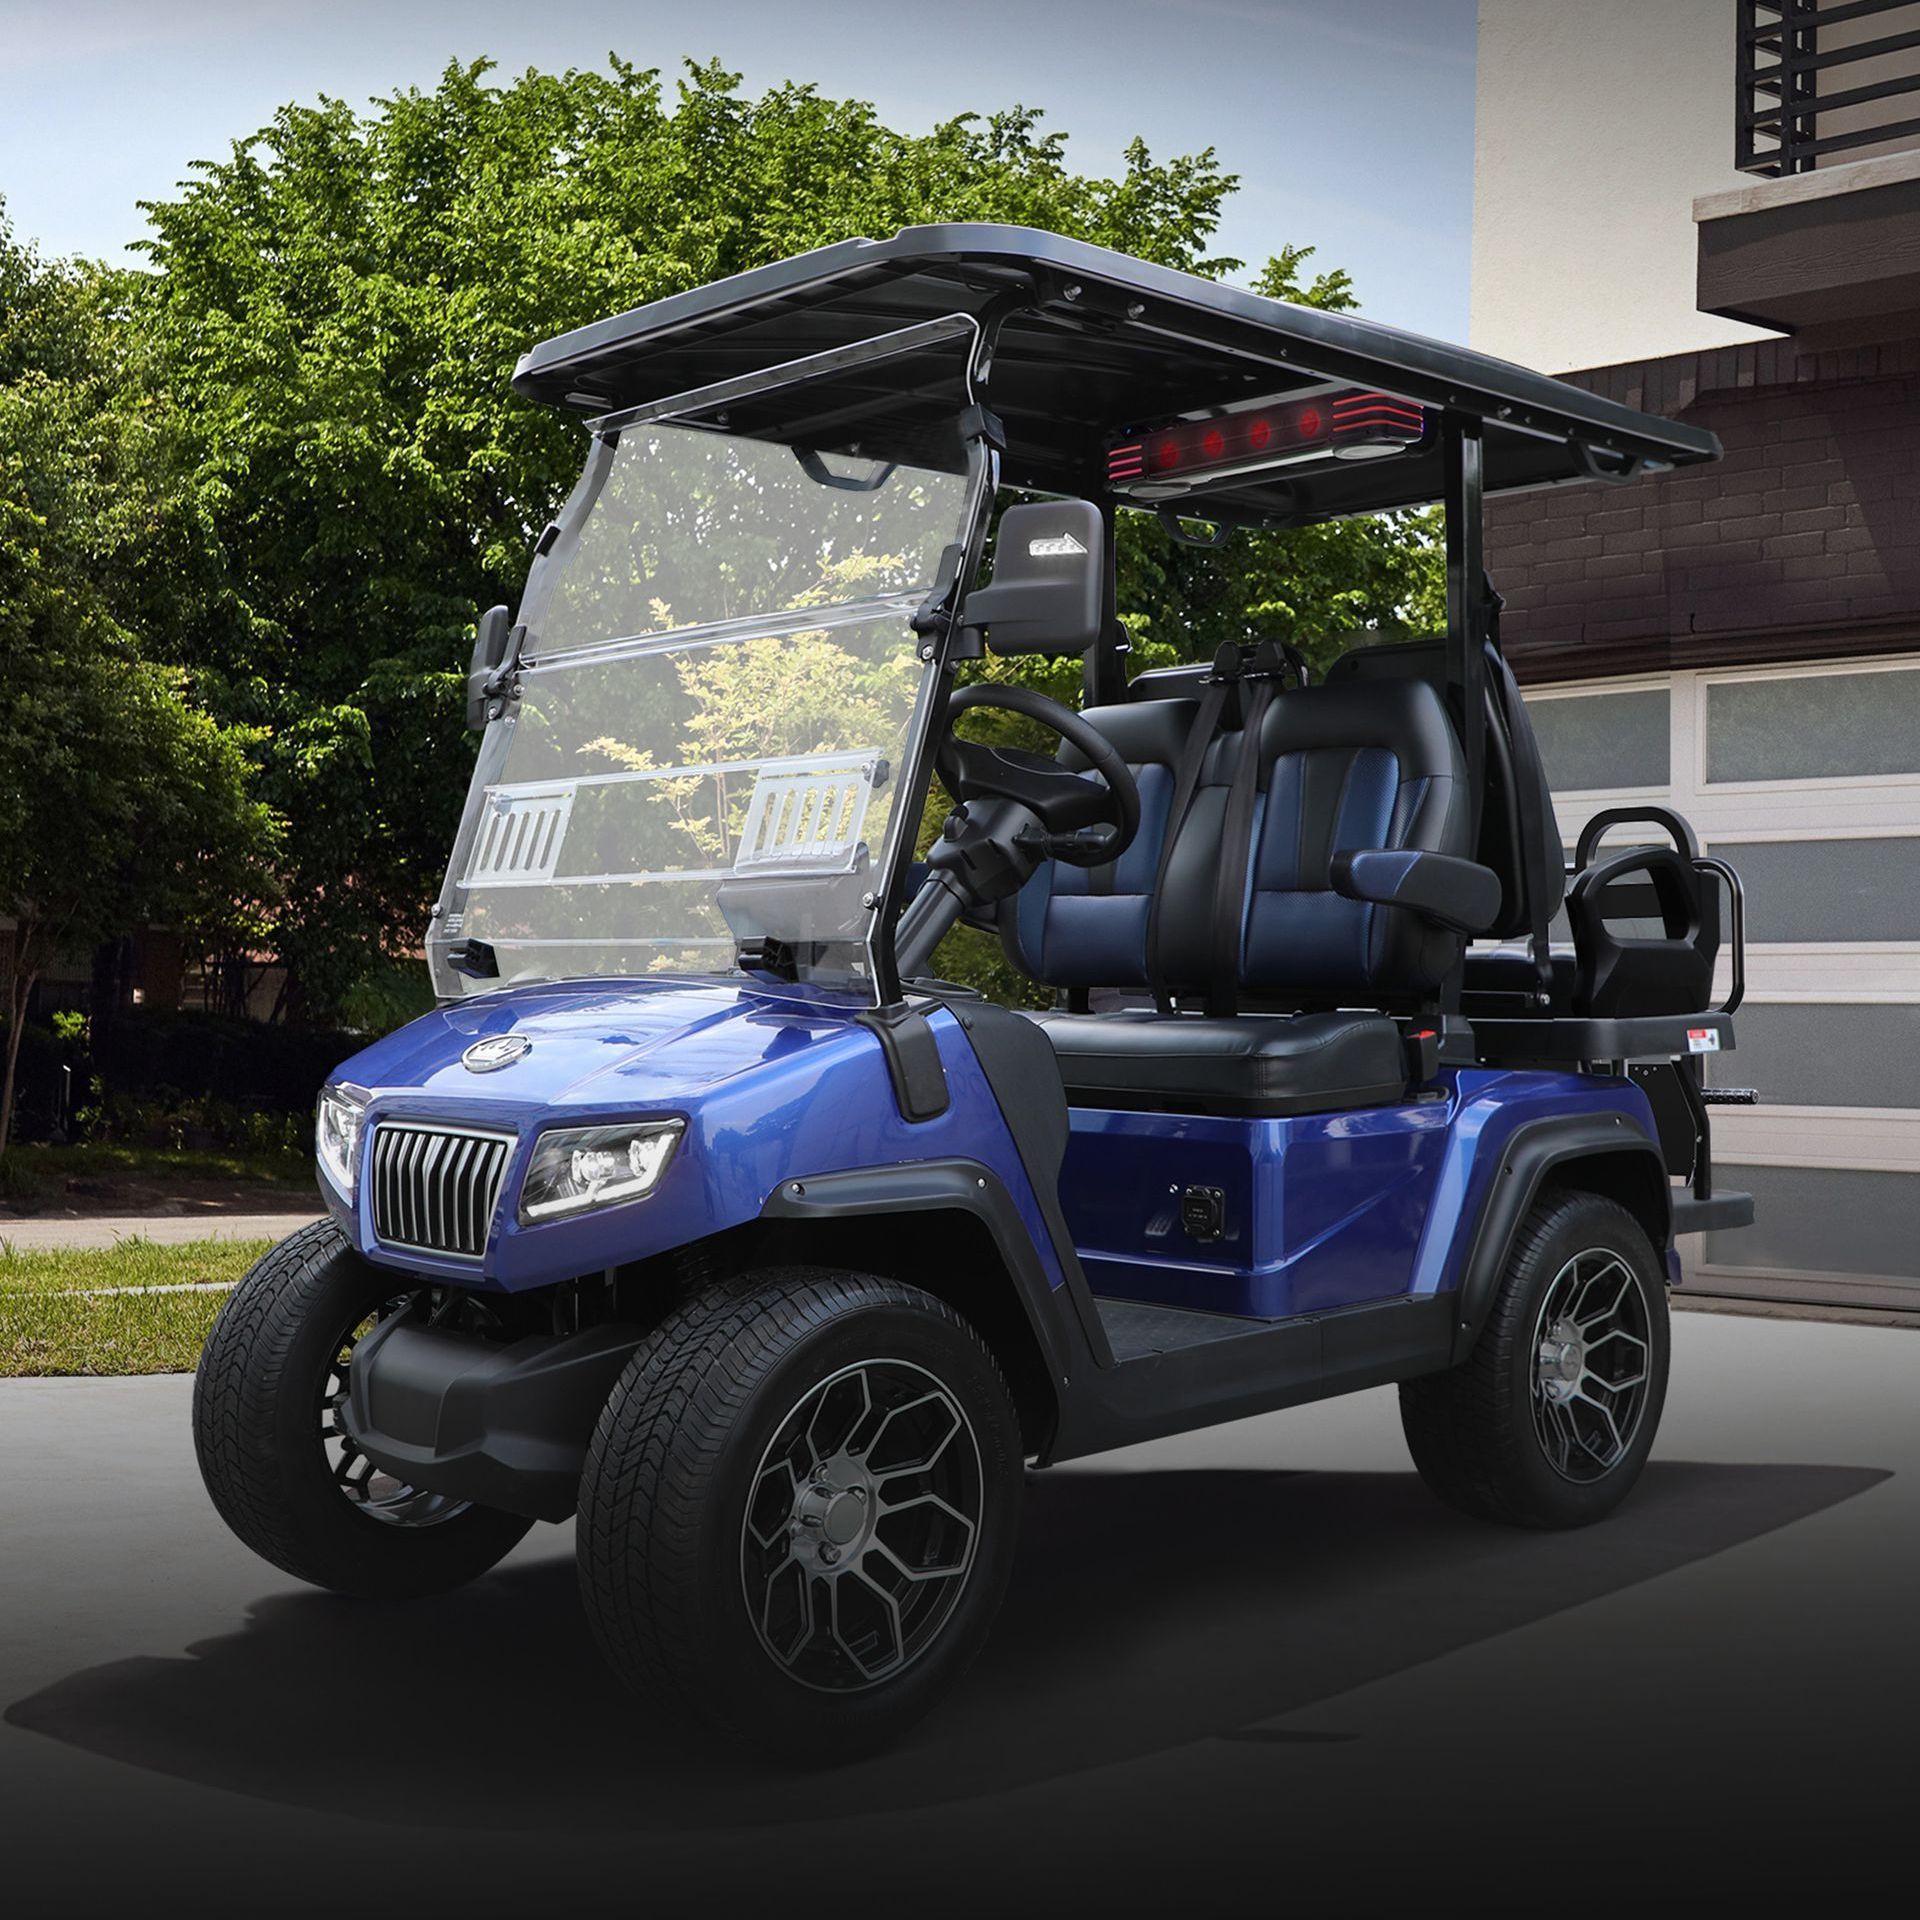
1094 346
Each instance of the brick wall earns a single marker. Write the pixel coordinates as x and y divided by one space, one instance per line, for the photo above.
1803 541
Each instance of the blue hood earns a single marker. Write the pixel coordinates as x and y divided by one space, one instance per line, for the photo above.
596 1046
772 1085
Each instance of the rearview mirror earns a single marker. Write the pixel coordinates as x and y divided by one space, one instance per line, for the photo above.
1049 569
491 639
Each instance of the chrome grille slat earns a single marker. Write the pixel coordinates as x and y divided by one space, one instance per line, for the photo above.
434 1188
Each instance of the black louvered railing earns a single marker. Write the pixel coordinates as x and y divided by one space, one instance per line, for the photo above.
1824 80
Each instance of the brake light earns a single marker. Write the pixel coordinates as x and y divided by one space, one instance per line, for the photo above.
1345 425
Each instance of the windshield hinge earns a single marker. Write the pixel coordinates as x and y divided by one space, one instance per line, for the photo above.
931 613
475 958
777 959
980 422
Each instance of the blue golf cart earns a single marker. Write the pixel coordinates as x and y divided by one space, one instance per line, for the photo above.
701 1209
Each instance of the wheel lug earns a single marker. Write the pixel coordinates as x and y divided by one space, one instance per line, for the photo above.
829 1554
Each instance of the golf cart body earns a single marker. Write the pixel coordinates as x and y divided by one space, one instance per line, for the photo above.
1220 1229
1286 1132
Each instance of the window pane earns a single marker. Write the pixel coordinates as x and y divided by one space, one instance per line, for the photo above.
1828 726
1819 890
1811 1056
1599 740
1823 1220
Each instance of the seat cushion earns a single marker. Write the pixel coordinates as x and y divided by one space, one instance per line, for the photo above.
1253 1064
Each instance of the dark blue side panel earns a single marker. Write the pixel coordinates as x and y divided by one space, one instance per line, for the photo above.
1322 1211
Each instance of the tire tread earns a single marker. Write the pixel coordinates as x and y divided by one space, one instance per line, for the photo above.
657 1451
1465 1427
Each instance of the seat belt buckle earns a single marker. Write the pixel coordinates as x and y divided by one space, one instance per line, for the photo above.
1423 1055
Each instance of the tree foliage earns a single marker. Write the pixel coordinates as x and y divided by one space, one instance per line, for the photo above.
320 471
121 802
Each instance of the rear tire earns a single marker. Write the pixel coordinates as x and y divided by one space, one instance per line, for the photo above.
265 1405
1549 1421
799 1511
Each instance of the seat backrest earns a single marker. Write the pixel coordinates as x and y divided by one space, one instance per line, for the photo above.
1511 755
1342 770
1072 927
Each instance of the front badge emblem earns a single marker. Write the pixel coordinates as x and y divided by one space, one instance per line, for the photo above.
497 1051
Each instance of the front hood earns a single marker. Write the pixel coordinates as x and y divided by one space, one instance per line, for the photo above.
599 1046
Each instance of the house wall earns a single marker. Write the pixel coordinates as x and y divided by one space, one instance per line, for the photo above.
1740 641
1803 540
1595 127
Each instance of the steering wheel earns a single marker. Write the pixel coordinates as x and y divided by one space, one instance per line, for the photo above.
1066 805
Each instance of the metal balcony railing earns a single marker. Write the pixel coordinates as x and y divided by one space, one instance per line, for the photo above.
1824 79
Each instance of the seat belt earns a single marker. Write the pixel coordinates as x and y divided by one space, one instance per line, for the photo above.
1236 835
1186 783
1529 780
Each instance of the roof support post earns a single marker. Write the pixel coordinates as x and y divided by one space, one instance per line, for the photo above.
1467 606
1104 673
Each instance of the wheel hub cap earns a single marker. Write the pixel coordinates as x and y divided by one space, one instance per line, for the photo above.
834 1509
860 1526
1563 1359
1593 1360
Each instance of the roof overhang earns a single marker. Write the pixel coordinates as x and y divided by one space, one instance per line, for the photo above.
1094 345
1839 245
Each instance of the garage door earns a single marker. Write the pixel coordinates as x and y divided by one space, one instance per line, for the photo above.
1807 780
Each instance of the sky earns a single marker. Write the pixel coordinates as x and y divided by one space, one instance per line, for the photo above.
1350 122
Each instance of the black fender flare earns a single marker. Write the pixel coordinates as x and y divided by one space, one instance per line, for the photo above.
1064 1321
1532 1152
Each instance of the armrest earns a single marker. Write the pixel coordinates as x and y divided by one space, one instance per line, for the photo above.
1460 894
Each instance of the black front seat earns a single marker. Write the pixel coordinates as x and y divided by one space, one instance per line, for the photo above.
1342 769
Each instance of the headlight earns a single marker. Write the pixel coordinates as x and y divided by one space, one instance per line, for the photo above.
597 1166
336 1135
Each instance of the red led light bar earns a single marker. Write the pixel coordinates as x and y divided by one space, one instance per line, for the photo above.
1342 425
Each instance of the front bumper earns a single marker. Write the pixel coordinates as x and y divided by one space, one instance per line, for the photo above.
503 1424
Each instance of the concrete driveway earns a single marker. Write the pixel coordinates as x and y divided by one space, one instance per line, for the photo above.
35 1232
1236 1670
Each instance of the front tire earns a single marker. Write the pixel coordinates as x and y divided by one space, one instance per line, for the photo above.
799 1510
1549 1421
282 1474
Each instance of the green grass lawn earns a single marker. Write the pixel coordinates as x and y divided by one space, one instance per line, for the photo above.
34 1175
96 1311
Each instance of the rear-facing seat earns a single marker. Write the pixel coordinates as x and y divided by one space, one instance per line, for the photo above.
1342 769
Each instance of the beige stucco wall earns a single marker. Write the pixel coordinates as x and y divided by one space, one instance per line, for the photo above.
1595 127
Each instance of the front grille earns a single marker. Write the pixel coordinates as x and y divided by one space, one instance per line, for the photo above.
434 1187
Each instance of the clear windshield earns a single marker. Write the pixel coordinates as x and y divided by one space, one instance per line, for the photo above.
715 718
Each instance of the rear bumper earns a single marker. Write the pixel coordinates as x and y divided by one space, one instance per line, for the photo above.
1718 1213
502 1425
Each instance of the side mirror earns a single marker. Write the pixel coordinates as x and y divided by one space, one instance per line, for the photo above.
491 641
1049 571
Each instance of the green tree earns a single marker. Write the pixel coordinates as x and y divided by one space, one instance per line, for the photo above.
120 806
335 310
121 803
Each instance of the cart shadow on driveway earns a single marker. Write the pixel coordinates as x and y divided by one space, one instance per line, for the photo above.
1148 1610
